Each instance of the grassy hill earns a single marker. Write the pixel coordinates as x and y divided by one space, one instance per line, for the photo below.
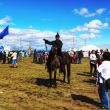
24 88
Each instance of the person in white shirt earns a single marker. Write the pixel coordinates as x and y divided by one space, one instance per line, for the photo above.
14 59
102 75
93 63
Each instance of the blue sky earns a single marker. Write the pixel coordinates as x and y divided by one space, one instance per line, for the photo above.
77 21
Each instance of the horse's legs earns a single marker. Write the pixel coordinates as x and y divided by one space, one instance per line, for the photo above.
50 78
64 72
68 73
55 78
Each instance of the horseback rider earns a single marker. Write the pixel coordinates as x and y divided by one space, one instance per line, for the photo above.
56 48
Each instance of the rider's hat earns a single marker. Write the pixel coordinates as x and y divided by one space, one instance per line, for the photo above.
57 35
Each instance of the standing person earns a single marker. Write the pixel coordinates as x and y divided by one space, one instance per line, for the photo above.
22 55
93 63
41 57
80 56
14 59
9 58
34 56
74 58
4 57
56 45
102 75
46 56
99 57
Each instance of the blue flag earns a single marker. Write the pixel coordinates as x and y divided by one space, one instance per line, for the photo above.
4 32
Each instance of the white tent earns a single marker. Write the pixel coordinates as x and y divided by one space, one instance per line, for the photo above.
73 49
89 48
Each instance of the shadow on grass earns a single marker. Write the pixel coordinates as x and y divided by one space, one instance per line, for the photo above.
45 82
41 81
93 81
83 74
84 99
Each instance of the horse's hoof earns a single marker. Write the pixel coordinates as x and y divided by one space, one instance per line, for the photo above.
68 82
55 86
49 85
64 81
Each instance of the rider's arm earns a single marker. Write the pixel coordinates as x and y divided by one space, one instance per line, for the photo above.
49 42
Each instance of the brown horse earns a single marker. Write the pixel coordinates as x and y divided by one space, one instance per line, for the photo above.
59 63
66 64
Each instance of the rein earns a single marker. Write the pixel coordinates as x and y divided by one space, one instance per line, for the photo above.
46 47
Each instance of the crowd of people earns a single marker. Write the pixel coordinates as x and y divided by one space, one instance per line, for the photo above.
96 58
12 57
76 56
41 57
38 56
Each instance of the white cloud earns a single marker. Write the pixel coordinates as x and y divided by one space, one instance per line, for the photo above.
94 31
89 30
100 10
82 11
6 20
27 37
79 29
34 38
96 24
90 15
67 37
85 12
105 25
87 36
93 26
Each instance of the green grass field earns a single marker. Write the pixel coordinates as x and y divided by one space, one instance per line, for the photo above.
24 88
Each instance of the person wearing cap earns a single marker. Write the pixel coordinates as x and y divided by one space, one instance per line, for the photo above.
56 47
56 44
